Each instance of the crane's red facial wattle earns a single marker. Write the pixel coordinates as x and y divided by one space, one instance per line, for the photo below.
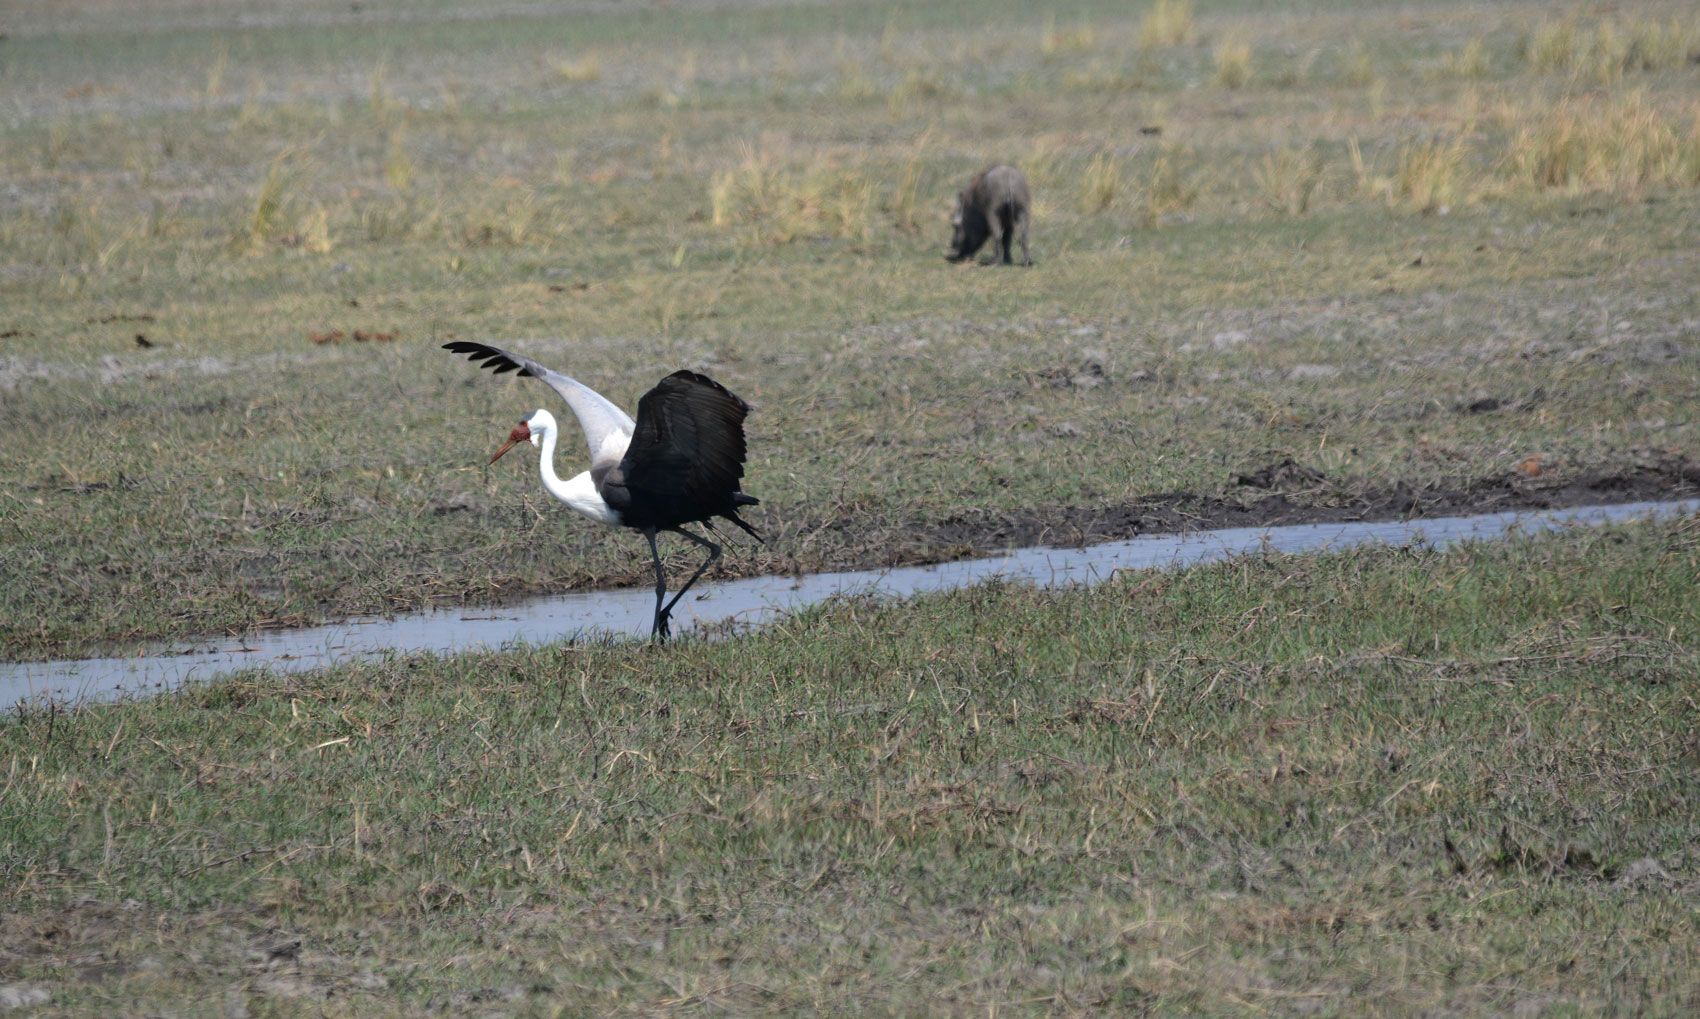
521 433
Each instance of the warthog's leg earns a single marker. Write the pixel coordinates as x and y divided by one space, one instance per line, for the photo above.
1021 218
998 236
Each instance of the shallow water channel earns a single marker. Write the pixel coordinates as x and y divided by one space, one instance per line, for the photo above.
741 602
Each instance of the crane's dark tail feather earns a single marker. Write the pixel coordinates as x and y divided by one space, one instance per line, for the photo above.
740 499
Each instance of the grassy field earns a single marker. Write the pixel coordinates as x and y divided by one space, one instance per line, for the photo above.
1320 261
1385 782
1398 247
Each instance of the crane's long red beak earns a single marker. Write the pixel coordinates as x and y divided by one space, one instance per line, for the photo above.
521 433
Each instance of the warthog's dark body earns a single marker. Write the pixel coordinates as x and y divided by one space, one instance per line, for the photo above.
996 206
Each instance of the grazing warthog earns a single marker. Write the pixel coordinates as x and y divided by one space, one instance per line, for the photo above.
996 205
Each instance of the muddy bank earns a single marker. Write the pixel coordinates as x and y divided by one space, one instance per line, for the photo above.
1288 493
1277 495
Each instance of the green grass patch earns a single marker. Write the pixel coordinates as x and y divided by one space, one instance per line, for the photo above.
1392 779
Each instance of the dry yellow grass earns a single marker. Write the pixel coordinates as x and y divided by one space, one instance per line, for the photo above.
1100 182
1601 144
1287 177
585 68
1167 23
905 205
1233 63
1603 50
779 204
1168 188
1469 62
1428 173
398 166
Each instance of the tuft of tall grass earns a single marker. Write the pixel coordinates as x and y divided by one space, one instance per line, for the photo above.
1042 162
1371 184
1233 63
508 221
1167 23
1100 182
1609 48
388 223
746 192
905 200
1168 189
83 234
268 216
398 166
1296 72
782 204
847 203
1429 173
1287 178
315 233
1552 46
1654 46
1470 62
1582 144
1593 144
586 68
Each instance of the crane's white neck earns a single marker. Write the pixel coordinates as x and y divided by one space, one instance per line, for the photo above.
578 491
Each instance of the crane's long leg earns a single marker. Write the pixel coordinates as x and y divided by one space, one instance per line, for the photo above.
713 554
660 627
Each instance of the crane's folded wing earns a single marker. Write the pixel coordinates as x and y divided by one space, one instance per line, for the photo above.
687 449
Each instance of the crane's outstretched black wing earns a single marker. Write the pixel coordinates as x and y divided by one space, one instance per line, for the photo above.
606 426
495 358
687 454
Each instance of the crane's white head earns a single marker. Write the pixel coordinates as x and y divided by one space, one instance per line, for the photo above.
533 427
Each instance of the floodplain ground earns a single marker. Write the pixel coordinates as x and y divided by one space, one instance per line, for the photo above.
1400 269
1392 782
1292 264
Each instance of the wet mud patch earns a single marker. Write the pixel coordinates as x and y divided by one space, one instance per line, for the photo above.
1290 493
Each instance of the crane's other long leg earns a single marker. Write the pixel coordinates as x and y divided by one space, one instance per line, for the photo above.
713 554
659 629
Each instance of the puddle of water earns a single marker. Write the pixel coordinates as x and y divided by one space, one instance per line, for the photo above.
743 602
